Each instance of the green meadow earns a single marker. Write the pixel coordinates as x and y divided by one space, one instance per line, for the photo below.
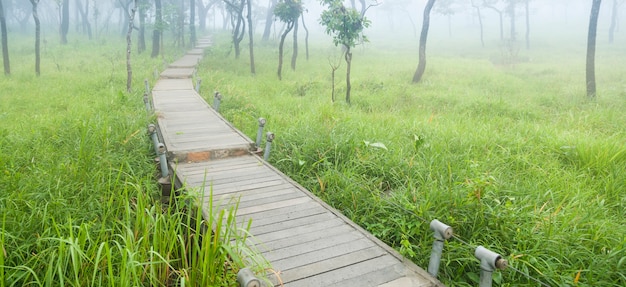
79 203
501 144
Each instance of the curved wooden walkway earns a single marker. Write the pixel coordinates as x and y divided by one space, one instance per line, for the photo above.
308 242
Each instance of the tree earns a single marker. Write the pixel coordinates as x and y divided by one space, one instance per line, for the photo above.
235 7
421 66
141 32
527 13
84 15
480 22
251 36
192 22
203 11
511 10
158 27
614 14
346 26
37 36
129 70
591 49
490 4
288 12
5 42
268 20
65 21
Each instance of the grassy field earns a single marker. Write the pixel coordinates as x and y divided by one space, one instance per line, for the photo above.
79 204
512 156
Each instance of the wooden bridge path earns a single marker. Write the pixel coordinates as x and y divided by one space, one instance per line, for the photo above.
308 242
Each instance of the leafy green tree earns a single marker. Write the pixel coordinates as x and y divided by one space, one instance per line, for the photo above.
288 12
345 25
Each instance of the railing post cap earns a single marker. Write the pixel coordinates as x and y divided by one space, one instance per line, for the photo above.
262 122
490 260
270 136
442 231
151 128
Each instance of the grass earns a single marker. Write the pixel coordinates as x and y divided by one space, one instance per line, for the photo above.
513 157
80 205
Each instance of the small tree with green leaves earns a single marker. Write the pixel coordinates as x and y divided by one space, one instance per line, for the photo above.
346 26
288 12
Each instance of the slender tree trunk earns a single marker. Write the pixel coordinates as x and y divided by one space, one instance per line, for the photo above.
591 49
251 36
129 70
527 11
280 50
613 21
348 58
65 21
421 67
37 36
156 33
268 20
501 20
306 36
141 33
203 11
480 24
192 22
294 54
5 41
512 9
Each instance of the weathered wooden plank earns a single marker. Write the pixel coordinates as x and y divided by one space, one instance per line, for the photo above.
177 73
378 277
273 205
286 224
304 237
312 247
187 61
296 231
284 213
172 84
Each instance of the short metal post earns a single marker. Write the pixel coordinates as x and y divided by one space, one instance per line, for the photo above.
489 261
146 102
217 99
259 133
268 145
155 138
442 233
246 278
198 82
147 85
163 160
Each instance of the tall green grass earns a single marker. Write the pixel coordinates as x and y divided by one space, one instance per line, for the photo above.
79 202
514 158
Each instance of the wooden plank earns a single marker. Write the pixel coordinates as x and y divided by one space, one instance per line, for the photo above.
177 73
286 224
311 249
285 213
173 84
377 277
304 237
296 231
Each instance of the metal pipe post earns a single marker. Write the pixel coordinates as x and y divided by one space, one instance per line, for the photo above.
217 99
259 133
146 101
442 232
198 82
163 160
246 278
489 262
268 145
147 85
155 138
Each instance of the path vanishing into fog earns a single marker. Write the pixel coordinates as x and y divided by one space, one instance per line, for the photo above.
307 242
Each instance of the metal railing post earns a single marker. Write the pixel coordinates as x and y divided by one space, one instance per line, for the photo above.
442 232
146 101
246 278
268 145
198 83
489 262
163 161
155 138
147 85
259 133
217 99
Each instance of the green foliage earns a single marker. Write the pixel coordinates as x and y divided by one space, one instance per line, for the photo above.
288 11
513 158
344 24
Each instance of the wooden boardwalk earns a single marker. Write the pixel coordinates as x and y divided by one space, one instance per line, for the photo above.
308 242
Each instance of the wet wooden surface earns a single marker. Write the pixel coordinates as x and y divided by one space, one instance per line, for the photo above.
308 242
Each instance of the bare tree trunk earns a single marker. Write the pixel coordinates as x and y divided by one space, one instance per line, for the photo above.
421 67
613 21
501 20
192 22
280 50
306 36
141 33
480 23
65 21
268 20
156 33
37 37
591 49
294 54
527 11
5 41
512 9
129 70
348 57
251 36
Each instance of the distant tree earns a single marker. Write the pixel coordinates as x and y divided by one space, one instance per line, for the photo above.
5 41
158 28
65 20
84 15
306 36
511 9
269 20
129 70
288 12
203 11
421 66
250 36
192 22
480 22
144 6
37 36
527 13
235 8
447 8
491 5
614 15
346 26
591 49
